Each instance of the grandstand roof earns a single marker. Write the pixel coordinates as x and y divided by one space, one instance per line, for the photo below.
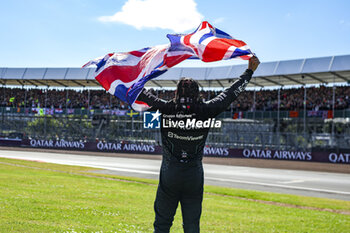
322 70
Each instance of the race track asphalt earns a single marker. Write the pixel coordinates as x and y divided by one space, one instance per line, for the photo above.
299 182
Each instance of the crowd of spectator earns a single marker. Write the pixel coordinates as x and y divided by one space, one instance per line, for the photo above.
59 98
318 98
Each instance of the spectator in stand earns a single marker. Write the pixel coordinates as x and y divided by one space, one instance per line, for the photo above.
318 98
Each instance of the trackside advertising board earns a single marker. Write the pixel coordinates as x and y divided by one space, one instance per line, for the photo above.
144 148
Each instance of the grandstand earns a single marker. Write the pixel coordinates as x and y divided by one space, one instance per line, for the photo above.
283 109
323 70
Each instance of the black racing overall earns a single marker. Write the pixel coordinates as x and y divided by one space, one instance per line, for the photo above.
181 173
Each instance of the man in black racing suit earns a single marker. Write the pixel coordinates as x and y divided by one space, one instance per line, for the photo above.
185 123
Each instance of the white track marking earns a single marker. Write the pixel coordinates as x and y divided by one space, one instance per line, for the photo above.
279 185
123 169
137 166
296 181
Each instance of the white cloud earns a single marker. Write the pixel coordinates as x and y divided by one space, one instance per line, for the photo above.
179 15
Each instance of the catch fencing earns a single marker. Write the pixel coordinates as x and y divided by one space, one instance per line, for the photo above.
259 133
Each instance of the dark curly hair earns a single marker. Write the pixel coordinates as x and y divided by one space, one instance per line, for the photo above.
187 91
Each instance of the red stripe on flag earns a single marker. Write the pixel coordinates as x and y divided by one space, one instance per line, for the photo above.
209 25
171 61
140 102
246 57
236 43
110 74
187 42
137 53
204 25
215 50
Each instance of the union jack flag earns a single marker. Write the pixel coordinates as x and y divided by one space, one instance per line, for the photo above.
125 74
209 44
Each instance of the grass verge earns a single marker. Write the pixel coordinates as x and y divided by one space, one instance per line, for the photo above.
44 197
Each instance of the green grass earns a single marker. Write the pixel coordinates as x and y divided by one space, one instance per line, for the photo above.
64 199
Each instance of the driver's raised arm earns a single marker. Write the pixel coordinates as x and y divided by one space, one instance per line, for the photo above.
151 100
221 102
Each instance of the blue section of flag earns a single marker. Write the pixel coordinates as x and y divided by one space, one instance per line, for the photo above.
239 52
120 92
205 36
222 34
101 63
176 45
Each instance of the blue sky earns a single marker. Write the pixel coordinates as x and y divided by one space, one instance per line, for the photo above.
68 33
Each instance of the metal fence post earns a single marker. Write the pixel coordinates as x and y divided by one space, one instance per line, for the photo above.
333 103
278 117
45 120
